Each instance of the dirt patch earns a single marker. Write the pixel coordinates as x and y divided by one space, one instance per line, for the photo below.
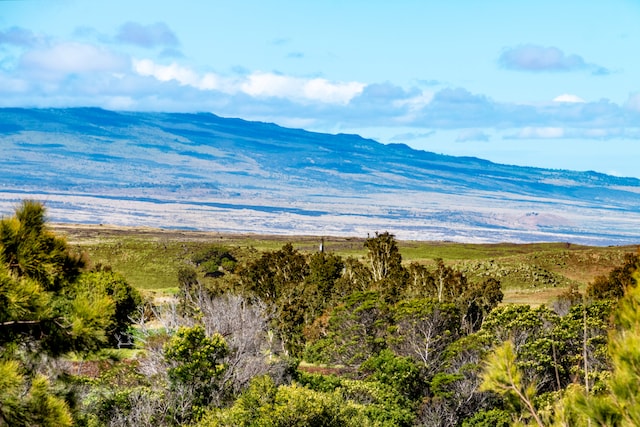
326 370
85 368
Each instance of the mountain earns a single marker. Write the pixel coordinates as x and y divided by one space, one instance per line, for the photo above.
201 171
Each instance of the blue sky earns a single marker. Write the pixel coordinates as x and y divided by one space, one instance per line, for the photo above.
539 83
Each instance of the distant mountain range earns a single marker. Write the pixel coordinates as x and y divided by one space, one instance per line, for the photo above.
201 171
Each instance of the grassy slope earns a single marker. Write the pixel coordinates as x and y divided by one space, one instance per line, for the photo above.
530 273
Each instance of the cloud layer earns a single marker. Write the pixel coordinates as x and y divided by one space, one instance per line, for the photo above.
538 59
257 85
72 58
44 72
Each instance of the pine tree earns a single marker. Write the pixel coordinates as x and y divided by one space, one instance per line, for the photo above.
620 404
43 307
46 310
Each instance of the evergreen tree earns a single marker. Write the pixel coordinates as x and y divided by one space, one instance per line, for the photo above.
502 375
619 406
43 307
48 307
324 270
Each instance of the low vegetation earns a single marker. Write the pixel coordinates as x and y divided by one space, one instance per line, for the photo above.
220 330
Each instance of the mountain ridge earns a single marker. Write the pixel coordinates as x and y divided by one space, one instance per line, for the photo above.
202 171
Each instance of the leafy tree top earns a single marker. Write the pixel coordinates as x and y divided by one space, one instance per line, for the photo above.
44 307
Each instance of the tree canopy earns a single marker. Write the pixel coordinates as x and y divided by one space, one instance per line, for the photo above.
49 306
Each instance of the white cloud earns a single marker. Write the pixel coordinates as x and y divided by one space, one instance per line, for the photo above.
565 97
72 57
540 132
469 135
119 103
183 75
257 84
538 58
602 133
415 103
275 85
412 106
593 133
332 93
412 136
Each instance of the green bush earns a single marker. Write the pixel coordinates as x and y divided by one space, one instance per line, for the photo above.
264 404
491 418
126 299
196 362
210 258
401 373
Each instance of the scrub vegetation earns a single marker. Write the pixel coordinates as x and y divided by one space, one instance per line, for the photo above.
105 326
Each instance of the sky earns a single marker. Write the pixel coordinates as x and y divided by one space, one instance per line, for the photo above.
543 83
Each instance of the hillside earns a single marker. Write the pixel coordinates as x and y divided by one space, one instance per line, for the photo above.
201 171
529 273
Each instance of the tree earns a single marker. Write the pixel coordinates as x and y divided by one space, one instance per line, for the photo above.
278 278
421 283
532 334
501 375
196 364
384 257
423 330
186 370
265 404
324 270
189 289
477 302
253 349
30 401
454 390
43 305
388 274
48 307
491 418
399 372
356 330
614 284
450 284
356 277
568 299
126 300
581 344
29 250
214 259
619 405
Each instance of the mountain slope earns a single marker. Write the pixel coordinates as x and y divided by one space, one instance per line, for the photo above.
207 172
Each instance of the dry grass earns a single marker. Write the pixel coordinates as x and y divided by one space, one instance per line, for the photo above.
150 258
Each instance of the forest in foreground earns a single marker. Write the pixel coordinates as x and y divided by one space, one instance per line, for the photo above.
137 328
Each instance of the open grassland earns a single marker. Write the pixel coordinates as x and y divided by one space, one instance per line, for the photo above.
530 273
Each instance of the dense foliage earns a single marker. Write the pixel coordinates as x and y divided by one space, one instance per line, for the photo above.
49 307
288 338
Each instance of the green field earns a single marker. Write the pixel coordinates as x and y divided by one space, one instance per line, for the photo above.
530 273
